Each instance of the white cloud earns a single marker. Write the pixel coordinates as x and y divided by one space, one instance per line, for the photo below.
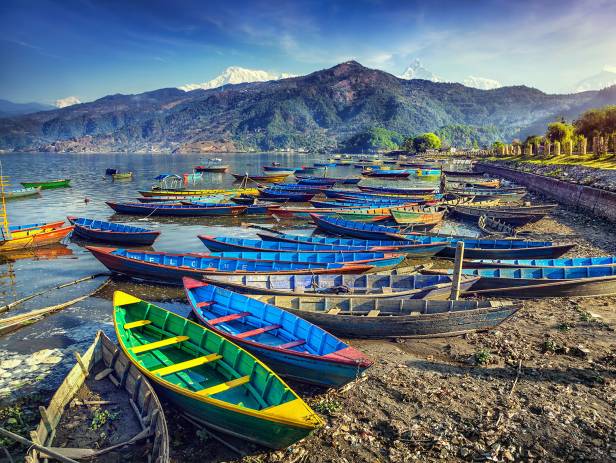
609 68
68 101
482 83
236 75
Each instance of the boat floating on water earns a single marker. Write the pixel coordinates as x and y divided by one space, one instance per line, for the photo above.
48 184
110 232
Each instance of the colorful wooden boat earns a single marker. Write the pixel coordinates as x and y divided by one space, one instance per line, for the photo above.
512 218
399 191
432 287
170 268
545 281
27 229
601 261
110 232
406 215
324 164
346 194
34 239
286 195
224 243
221 198
48 184
487 207
217 168
167 192
254 209
307 180
385 173
473 248
501 194
158 209
361 230
288 344
320 181
425 172
315 189
278 170
378 259
22 193
122 175
461 173
210 378
260 178
103 357
355 204
394 318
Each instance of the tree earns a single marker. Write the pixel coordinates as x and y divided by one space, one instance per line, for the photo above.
375 139
497 145
595 122
533 140
559 131
426 141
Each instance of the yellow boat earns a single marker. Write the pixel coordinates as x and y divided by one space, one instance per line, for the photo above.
34 239
237 191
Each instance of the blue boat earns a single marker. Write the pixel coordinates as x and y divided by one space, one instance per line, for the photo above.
425 172
473 248
371 197
286 195
377 286
175 209
378 259
110 232
290 345
324 164
340 180
543 263
386 173
224 243
545 281
363 230
253 209
170 268
294 187
316 181
398 191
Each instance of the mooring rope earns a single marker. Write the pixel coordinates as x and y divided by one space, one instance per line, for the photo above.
9 306
13 323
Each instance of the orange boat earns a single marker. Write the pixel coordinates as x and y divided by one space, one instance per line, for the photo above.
35 238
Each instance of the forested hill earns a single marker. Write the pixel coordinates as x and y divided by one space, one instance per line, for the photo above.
321 110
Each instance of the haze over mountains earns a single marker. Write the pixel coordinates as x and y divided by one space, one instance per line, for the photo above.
318 111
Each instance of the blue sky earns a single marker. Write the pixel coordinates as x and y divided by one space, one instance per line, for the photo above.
53 49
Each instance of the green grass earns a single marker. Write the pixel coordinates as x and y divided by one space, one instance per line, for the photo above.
589 160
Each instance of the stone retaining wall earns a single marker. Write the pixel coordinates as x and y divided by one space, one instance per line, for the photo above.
593 200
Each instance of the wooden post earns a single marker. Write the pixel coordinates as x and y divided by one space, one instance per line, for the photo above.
457 271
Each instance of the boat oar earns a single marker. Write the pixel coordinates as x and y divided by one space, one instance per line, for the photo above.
259 227
40 448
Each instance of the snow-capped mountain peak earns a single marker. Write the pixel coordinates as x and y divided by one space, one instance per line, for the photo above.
236 75
68 101
416 70
605 78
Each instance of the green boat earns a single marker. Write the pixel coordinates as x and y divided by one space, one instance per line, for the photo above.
122 176
23 193
212 379
49 184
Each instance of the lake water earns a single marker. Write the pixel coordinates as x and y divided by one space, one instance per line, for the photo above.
55 337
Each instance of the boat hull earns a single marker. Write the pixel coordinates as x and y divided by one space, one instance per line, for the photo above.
540 287
49 185
417 325
23 193
144 238
175 211
174 274
36 240
237 191
539 252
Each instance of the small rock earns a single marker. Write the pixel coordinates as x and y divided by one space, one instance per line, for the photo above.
508 456
11 363
464 452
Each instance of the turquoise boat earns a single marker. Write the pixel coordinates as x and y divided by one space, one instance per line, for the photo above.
210 378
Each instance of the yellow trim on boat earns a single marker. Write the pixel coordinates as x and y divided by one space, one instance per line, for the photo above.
158 344
137 324
192 363
238 191
308 419
224 386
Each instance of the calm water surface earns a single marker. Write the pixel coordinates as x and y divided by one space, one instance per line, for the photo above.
90 188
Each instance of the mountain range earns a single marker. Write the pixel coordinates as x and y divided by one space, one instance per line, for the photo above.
319 111
8 108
